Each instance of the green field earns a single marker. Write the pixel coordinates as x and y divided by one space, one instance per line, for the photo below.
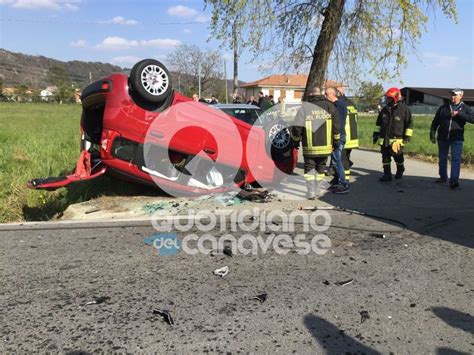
40 140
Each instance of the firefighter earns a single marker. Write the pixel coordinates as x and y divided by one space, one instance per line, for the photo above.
393 129
317 125
352 138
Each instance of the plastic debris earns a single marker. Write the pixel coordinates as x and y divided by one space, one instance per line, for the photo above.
228 251
378 235
98 300
165 314
222 271
364 315
344 283
261 298
254 196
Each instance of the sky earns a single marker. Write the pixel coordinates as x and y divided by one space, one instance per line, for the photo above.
123 32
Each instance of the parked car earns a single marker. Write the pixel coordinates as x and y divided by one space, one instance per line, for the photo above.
139 129
276 130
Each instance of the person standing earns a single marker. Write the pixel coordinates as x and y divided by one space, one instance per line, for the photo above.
263 101
317 126
339 183
252 101
352 138
393 129
449 122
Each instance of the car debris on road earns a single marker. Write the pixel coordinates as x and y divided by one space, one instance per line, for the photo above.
166 315
261 298
98 300
222 271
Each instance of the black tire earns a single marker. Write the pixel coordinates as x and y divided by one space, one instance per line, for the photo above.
150 81
278 138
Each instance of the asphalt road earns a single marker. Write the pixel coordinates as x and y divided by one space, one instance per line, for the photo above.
417 290
416 285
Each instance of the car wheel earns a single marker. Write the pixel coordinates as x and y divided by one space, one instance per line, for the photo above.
150 81
278 137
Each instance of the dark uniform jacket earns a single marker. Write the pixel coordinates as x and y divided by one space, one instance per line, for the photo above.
452 129
317 125
393 124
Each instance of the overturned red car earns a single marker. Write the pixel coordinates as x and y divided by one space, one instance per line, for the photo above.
139 129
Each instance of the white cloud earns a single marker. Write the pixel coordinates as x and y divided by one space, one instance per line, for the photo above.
126 61
119 43
182 11
187 31
440 60
71 5
203 19
115 43
161 43
80 43
119 20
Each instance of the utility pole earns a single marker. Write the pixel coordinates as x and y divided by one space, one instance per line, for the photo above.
199 80
236 56
225 82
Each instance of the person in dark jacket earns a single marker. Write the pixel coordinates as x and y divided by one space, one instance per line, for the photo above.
449 122
339 182
317 125
252 101
393 129
263 101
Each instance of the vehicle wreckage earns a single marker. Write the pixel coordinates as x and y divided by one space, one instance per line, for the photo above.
137 128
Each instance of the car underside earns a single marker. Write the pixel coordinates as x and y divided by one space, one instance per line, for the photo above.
138 129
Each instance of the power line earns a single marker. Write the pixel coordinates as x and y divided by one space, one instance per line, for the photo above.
100 23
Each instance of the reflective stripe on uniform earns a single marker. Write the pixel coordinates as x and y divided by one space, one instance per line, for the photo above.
309 177
309 133
408 132
320 177
317 151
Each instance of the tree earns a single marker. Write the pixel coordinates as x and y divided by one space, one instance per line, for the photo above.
347 37
185 60
370 93
21 92
64 93
58 76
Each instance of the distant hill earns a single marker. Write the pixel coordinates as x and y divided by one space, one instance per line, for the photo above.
34 72
22 69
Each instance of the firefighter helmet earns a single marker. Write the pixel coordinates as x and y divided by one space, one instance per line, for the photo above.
394 93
